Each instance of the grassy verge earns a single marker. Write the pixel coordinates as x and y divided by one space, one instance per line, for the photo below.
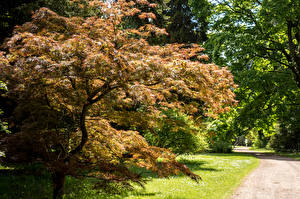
295 156
221 174
263 150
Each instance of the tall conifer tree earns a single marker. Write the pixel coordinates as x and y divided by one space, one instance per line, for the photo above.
182 25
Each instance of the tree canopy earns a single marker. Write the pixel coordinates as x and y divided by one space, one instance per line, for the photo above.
259 41
187 22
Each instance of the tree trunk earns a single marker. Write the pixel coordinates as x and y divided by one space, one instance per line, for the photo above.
58 180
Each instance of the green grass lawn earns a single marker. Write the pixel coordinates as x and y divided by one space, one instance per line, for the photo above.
263 150
221 174
290 155
286 154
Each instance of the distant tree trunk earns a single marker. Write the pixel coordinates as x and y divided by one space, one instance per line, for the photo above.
58 180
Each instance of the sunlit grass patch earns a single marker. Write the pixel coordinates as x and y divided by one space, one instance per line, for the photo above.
221 173
262 150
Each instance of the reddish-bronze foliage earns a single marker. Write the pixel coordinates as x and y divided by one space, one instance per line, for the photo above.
65 73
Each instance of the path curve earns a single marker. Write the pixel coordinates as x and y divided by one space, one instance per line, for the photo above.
275 178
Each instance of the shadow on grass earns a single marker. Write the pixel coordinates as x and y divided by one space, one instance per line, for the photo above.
195 165
270 155
144 193
233 154
14 185
296 156
19 185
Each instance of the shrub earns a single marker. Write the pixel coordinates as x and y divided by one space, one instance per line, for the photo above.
220 135
201 143
177 132
287 137
285 140
260 140
221 147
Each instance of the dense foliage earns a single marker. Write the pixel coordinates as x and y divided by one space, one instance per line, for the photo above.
182 27
259 41
66 76
177 132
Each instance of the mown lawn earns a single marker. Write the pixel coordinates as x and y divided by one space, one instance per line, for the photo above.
295 155
263 150
221 173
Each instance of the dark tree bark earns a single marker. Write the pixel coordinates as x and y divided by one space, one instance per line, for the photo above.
58 180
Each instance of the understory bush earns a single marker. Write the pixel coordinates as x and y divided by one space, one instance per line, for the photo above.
221 146
177 132
260 140
285 140
220 135
287 137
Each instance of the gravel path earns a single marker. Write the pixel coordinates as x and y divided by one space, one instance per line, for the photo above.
275 178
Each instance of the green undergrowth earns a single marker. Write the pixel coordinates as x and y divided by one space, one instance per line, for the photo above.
221 174
17 184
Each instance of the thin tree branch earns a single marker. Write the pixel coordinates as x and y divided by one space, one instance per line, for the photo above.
82 126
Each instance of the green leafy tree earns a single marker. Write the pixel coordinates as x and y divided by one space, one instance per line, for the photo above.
182 24
259 40
221 132
264 31
202 10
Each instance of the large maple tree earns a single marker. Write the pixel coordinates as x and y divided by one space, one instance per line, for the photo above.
65 74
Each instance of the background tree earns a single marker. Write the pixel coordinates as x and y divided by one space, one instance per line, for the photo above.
182 25
202 10
259 40
185 21
17 12
65 74
155 10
